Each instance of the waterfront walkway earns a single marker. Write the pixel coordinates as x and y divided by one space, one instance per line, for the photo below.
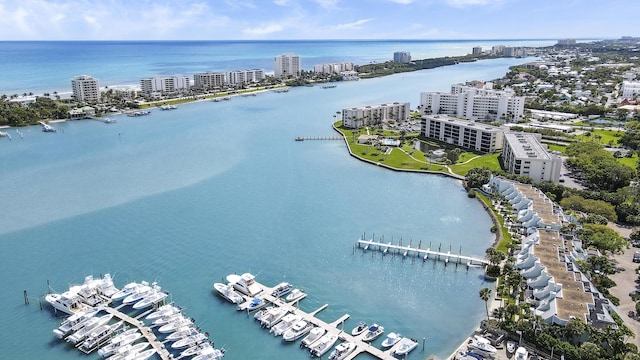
145 330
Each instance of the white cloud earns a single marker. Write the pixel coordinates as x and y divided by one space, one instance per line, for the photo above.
403 2
465 3
352 25
327 4
281 2
263 30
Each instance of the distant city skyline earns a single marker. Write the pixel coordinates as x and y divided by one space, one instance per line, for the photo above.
314 19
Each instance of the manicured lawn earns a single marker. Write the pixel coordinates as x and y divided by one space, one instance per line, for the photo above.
489 161
607 137
555 147
631 162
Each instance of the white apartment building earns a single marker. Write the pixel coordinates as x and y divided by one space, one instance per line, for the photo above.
523 154
464 133
474 103
286 65
85 89
164 84
335 68
209 80
357 117
349 75
630 89
239 77
477 50
403 57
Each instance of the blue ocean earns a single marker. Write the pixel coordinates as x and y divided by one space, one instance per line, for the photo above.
188 196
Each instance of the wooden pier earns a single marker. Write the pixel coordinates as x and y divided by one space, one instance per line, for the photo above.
144 330
424 254
336 327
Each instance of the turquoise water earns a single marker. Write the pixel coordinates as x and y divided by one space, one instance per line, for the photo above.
186 197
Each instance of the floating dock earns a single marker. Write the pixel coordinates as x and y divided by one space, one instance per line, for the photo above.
144 330
336 327
424 254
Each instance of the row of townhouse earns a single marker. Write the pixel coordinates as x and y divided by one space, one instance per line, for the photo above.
556 289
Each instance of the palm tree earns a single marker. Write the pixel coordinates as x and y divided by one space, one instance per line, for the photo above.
485 295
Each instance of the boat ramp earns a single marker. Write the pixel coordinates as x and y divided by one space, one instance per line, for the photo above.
336 327
418 252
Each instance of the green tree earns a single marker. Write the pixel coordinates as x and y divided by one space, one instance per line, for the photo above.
601 237
485 295
476 177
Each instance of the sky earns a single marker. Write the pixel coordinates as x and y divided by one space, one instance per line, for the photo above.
315 19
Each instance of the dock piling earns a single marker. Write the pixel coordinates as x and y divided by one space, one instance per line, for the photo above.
26 298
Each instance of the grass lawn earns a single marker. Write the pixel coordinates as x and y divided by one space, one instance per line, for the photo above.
607 137
554 147
631 162
489 161
506 236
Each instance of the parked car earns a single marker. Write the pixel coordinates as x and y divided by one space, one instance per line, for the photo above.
636 257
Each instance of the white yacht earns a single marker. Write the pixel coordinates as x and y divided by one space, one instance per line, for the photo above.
175 325
189 341
125 291
521 354
373 332
285 324
196 349
482 345
100 334
405 346
155 297
272 317
281 289
227 292
166 319
143 355
182 332
67 326
314 335
125 338
295 295
298 330
245 283
142 291
164 310
262 312
214 354
128 351
342 350
362 327
86 330
69 302
391 340
323 345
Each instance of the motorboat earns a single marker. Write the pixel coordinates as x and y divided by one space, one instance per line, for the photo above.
163 311
342 350
227 292
482 345
125 338
511 347
182 332
245 283
144 355
213 354
285 324
391 340
197 348
128 351
298 330
373 332
175 325
86 330
323 345
252 305
157 296
521 354
166 319
272 317
189 341
125 291
67 326
68 302
281 289
362 327
468 356
405 346
140 293
262 312
100 334
168 107
295 295
314 335
92 293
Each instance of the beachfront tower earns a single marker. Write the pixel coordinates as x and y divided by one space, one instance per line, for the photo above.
287 65
402 57
85 89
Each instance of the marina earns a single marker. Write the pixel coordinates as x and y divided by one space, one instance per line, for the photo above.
332 331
